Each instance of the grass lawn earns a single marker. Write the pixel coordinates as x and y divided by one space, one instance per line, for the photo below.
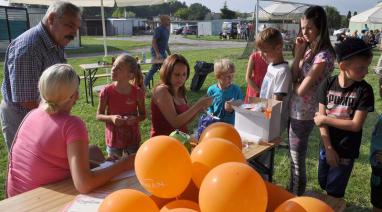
358 190
210 38
95 44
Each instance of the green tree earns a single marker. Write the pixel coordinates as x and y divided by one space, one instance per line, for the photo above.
197 11
96 11
345 20
348 15
182 13
119 13
130 14
227 13
154 10
355 13
334 17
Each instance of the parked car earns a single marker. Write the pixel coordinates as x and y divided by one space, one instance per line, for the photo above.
340 31
178 31
190 30
229 29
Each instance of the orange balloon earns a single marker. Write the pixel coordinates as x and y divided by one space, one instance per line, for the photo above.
222 130
233 186
127 200
276 196
160 202
303 204
211 153
180 205
191 193
163 166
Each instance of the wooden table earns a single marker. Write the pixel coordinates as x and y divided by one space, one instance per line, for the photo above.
90 75
253 151
338 204
55 197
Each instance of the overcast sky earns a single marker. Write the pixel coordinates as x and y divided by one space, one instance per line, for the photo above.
343 6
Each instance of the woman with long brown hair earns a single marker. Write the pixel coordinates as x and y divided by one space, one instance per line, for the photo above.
169 107
313 62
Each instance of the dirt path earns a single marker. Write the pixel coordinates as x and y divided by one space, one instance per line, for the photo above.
177 43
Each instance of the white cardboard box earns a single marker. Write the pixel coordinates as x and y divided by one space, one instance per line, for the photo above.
255 126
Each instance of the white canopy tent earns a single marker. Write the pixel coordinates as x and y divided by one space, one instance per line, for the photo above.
95 3
372 17
282 11
279 8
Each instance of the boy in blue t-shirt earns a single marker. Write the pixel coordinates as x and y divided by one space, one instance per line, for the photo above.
376 161
224 91
344 102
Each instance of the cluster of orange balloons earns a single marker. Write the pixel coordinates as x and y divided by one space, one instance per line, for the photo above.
214 178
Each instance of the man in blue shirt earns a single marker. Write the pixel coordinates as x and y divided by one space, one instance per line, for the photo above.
28 56
159 46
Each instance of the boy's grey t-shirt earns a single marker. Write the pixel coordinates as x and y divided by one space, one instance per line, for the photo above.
278 80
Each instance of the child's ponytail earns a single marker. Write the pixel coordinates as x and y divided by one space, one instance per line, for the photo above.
138 78
134 68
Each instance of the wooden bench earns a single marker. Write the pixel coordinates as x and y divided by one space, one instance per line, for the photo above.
98 76
337 204
86 84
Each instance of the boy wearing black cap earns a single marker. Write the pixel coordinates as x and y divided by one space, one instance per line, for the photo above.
344 101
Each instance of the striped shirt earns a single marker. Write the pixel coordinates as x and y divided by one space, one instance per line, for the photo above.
26 58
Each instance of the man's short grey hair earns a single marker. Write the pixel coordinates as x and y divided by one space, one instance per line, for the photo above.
60 8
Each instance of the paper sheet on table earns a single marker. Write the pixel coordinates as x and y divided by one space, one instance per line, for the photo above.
123 175
84 203
250 138
90 202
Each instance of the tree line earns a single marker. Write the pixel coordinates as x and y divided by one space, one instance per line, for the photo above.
197 11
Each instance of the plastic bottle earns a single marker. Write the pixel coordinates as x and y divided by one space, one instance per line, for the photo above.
143 57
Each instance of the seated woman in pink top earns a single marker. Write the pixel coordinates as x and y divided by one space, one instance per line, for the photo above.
52 145
169 108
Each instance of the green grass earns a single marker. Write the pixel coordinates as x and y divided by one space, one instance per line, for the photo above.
210 38
95 44
358 190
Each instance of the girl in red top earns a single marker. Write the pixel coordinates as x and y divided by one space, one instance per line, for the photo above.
256 70
169 108
122 106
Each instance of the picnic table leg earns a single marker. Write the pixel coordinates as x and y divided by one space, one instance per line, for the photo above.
267 169
86 87
271 164
91 82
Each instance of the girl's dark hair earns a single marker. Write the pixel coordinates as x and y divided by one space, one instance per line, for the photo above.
168 68
317 15
135 68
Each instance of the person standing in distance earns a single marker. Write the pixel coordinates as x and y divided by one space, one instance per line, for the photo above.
27 57
159 46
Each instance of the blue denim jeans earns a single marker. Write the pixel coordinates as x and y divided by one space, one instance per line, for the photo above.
154 68
334 179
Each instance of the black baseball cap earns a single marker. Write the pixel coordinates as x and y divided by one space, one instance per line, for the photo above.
351 47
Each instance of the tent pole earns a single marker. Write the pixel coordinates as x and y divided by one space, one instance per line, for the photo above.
103 28
257 17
